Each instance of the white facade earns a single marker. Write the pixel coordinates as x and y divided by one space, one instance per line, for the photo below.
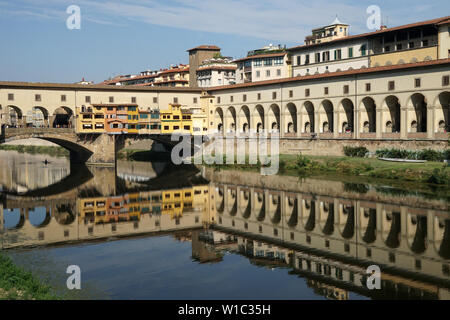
330 57
216 75
262 68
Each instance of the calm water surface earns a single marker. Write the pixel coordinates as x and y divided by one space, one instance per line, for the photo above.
154 231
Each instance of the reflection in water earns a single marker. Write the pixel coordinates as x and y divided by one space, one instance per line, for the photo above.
327 241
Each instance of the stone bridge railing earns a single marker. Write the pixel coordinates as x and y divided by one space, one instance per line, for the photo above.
11 132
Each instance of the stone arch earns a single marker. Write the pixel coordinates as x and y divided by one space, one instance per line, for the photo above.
43 216
368 222
391 115
347 116
14 116
219 119
417 233
62 117
259 208
244 119
327 218
308 125
39 117
326 116
442 113
245 203
368 115
231 120
275 208
391 225
309 213
274 118
414 60
259 118
417 116
291 118
291 204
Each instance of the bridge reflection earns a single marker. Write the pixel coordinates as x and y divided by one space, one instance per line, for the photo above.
328 240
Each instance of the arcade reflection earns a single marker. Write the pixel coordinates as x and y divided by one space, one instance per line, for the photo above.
328 241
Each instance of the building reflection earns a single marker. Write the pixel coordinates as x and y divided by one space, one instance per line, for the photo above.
328 241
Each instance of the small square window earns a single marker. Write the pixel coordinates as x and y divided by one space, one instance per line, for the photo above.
347 247
291 93
66 233
218 99
307 92
87 99
155 100
369 253
231 98
445 80
37 97
195 100
63 98
274 95
327 243
346 89
260 229
392 257
368 87
417 83
244 97
111 99
275 232
259 96
292 236
326 90
10 96
391 85
133 99
418 264
308 239
175 100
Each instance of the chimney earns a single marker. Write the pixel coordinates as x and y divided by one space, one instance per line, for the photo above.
383 27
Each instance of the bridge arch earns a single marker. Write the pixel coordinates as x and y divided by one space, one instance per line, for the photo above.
258 119
442 112
417 113
62 117
274 118
231 120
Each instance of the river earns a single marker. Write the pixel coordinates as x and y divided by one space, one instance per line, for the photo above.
156 231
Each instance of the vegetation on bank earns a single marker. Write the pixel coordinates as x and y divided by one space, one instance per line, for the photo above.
426 154
48 150
18 284
306 166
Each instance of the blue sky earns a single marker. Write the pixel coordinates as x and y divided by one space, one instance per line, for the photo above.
128 36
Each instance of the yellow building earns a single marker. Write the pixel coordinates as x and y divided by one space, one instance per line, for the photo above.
90 119
133 119
93 210
181 120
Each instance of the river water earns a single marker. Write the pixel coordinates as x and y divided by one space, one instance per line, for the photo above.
155 231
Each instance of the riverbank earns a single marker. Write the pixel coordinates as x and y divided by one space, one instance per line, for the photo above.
18 284
48 150
370 169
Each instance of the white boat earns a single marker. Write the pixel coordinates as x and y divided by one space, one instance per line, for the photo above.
402 160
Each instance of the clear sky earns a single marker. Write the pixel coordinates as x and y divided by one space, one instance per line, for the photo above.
128 36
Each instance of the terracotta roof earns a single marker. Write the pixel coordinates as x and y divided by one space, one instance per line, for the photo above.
374 33
93 87
205 47
216 67
174 70
334 74
258 56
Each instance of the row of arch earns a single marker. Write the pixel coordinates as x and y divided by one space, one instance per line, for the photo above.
38 117
327 117
331 220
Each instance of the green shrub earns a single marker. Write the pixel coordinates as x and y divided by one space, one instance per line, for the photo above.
439 176
426 154
355 152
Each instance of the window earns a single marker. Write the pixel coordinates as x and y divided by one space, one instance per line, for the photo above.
391 85
387 48
417 83
307 59
445 80
268 73
326 56
425 43
338 54
363 50
87 99
37 97
218 99
175 100
258 63
231 98
350 52
195 100
399 46
291 93
268 62
258 74
411 45
307 92
299 60
368 87
346 89
63 98
326 90
318 57
274 95
278 72
244 97
10 96
259 96
278 61
155 100
111 99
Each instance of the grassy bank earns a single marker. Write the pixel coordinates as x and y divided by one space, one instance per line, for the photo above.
18 284
51 151
435 173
